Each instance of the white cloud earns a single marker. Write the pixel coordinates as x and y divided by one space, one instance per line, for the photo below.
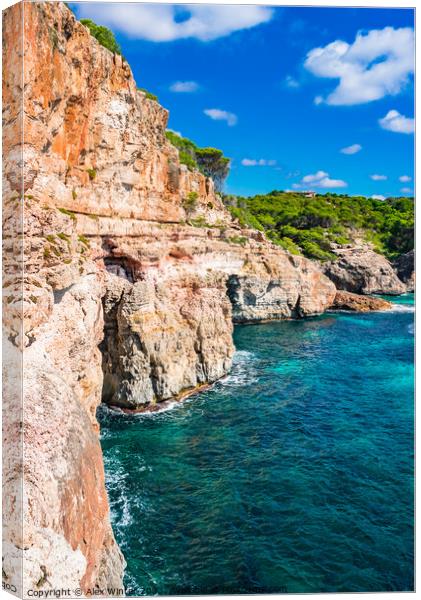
315 177
396 122
406 190
320 179
405 178
291 82
262 162
318 100
167 22
378 197
353 149
376 64
184 86
221 115
378 177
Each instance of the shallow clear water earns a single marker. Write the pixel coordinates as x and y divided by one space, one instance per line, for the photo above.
295 473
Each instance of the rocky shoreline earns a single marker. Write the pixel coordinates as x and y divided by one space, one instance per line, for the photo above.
347 301
129 295
165 404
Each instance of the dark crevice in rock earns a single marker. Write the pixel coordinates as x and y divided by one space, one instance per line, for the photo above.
121 267
297 312
232 288
46 146
108 348
238 298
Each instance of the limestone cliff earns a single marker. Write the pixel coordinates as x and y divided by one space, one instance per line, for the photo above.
128 291
361 270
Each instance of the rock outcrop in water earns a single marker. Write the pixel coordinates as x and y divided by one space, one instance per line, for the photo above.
164 337
360 270
359 303
114 256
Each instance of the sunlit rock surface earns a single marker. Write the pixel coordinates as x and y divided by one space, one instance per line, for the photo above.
360 270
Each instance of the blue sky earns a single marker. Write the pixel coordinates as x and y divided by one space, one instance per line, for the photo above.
284 89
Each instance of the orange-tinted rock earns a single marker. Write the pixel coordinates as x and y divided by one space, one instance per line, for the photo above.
57 531
359 303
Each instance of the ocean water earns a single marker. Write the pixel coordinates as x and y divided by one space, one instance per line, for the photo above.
293 474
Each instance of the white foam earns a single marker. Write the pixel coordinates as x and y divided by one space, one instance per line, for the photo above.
115 478
167 406
122 504
243 371
242 356
241 374
402 308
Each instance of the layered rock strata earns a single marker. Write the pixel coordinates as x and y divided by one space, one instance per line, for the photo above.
129 293
130 288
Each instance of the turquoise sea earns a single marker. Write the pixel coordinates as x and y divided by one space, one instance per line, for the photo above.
293 474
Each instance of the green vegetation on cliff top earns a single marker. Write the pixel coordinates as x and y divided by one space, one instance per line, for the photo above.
209 161
149 94
104 35
310 226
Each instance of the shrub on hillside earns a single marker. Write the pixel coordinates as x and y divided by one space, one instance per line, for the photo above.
148 94
104 35
209 161
311 225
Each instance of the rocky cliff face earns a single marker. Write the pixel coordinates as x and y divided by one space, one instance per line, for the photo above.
405 269
57 532
122 285
358 269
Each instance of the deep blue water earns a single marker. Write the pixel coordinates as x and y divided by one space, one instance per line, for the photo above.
295 473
